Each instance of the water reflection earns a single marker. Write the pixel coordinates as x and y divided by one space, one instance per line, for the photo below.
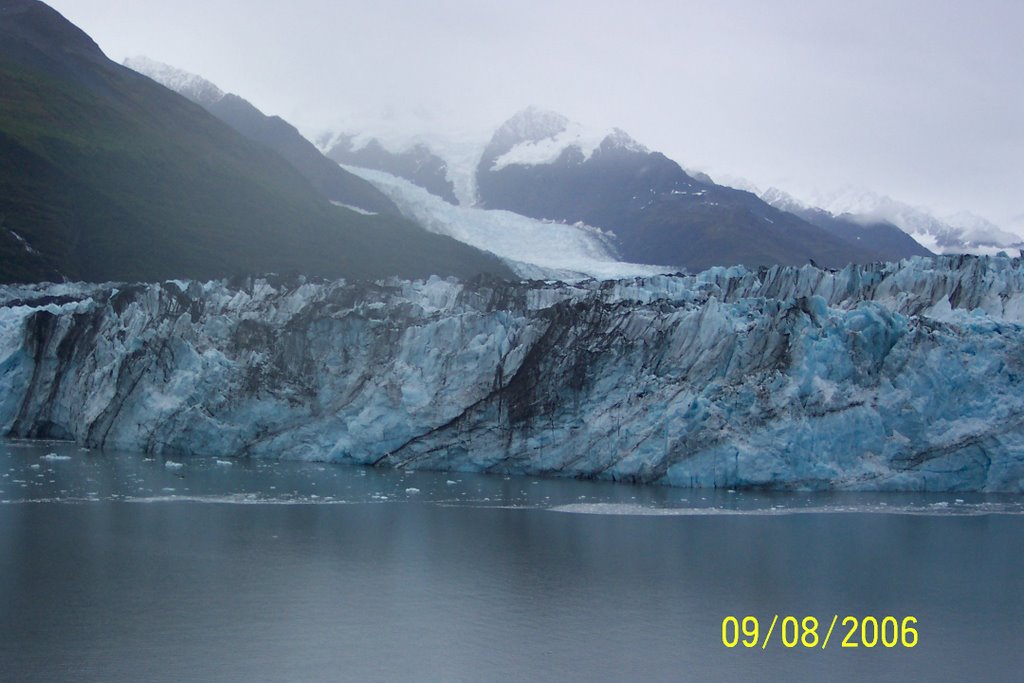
477 580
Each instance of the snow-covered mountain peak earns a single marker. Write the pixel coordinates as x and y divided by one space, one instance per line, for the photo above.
961 233
534 137
620 139
195 88
855 200
978 230
782 200
529 125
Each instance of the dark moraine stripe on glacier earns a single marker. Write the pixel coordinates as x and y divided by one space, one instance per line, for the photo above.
897 376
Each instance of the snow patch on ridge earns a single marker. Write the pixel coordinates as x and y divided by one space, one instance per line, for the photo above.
195 88
354 208
548 149
24 243
550 135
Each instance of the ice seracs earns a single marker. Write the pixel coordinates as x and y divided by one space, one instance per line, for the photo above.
900 376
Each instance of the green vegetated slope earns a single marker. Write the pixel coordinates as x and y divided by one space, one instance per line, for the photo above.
106 175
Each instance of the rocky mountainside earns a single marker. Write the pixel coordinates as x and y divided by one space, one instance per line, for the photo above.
106 175
901 376
417 163
538 164
880 235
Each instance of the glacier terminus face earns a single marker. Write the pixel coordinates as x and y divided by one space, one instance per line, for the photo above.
904 376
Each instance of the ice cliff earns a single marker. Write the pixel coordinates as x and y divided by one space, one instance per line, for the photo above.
898 376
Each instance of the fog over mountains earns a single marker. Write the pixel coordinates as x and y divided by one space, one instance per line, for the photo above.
865 218
806 97
107 175
541 165
547 196
637 206
962 232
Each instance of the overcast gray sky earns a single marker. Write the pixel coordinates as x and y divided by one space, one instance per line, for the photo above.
921 100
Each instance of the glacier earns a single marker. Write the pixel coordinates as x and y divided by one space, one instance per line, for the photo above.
537 249
901 376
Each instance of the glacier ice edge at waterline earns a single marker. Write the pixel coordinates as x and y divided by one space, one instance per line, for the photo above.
903 376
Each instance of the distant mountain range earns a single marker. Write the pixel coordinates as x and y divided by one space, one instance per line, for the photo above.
881 235
542 165
535 164
962 232
107 175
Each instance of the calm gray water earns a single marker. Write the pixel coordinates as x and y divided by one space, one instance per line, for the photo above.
115 567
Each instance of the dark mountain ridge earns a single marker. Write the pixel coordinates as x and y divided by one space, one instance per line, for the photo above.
660 214
106 175
879 234
327 177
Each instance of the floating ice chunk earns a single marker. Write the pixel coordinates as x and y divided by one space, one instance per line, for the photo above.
224 462
412 490
630 509
450 482
53 457
34 467
171 465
